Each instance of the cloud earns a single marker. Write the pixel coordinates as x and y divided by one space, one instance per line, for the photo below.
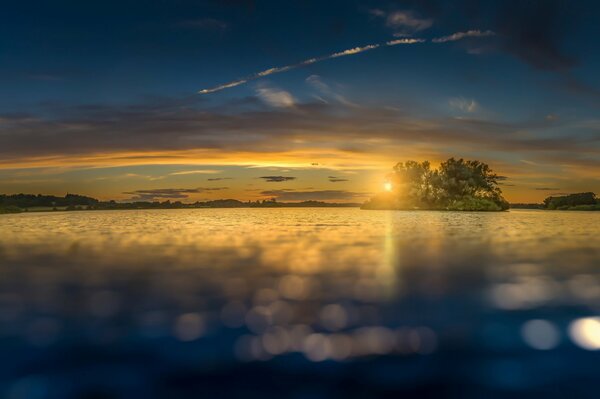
535 33
463 104
316 195
226 86
275 97
317 83
546 188
407 22
219 178
196 172
168 193
461 35
404 41
404 23
277 178
353 51
334 179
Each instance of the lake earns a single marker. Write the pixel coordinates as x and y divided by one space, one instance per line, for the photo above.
309 302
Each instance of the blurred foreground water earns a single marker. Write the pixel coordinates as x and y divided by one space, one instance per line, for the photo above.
299 303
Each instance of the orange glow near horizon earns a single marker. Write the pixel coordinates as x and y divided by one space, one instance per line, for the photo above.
108 175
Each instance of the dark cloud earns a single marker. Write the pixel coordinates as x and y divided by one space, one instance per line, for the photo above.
535 31
219 178
168 193
546 188
277 178
334 179
578 88
316 195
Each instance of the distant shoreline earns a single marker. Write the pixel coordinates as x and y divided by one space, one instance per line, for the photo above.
23 203
17 203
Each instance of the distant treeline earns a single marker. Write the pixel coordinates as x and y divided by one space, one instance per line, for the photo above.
520 205
72 202
39 200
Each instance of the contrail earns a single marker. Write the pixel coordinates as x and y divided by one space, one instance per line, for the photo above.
271 71
352 51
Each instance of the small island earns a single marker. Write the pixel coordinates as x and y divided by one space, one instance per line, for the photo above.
457 185
571 202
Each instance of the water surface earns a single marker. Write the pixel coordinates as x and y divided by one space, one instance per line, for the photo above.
156 303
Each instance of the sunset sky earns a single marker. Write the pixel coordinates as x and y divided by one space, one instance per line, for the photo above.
297 100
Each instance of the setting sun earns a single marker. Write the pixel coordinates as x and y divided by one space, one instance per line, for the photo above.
387 186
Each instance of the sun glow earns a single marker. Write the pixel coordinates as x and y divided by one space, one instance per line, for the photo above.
387 186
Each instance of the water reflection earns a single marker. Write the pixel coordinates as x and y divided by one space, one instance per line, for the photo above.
167 303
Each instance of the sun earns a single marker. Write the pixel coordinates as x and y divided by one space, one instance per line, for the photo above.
387 186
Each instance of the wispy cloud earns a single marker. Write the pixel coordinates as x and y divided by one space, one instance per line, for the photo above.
407 22
547 188
327 92
335 179
461 35
404 23
226 86
404 41
463 104
275 97
196 172
219 178
352 51
277 179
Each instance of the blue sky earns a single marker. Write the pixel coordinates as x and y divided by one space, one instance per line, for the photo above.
103 98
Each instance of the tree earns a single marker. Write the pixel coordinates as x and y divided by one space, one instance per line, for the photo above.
460 179
412 182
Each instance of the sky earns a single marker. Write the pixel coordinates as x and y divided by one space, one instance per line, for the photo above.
295 100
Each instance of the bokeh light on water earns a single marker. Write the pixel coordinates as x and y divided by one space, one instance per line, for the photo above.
299 303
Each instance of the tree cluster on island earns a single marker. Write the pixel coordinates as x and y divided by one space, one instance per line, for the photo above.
72 202
573 202
569 202
457 185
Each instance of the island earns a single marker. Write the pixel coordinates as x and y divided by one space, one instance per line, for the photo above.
587 201
456 185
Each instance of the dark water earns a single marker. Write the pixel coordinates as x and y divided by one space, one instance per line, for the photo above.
299 303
